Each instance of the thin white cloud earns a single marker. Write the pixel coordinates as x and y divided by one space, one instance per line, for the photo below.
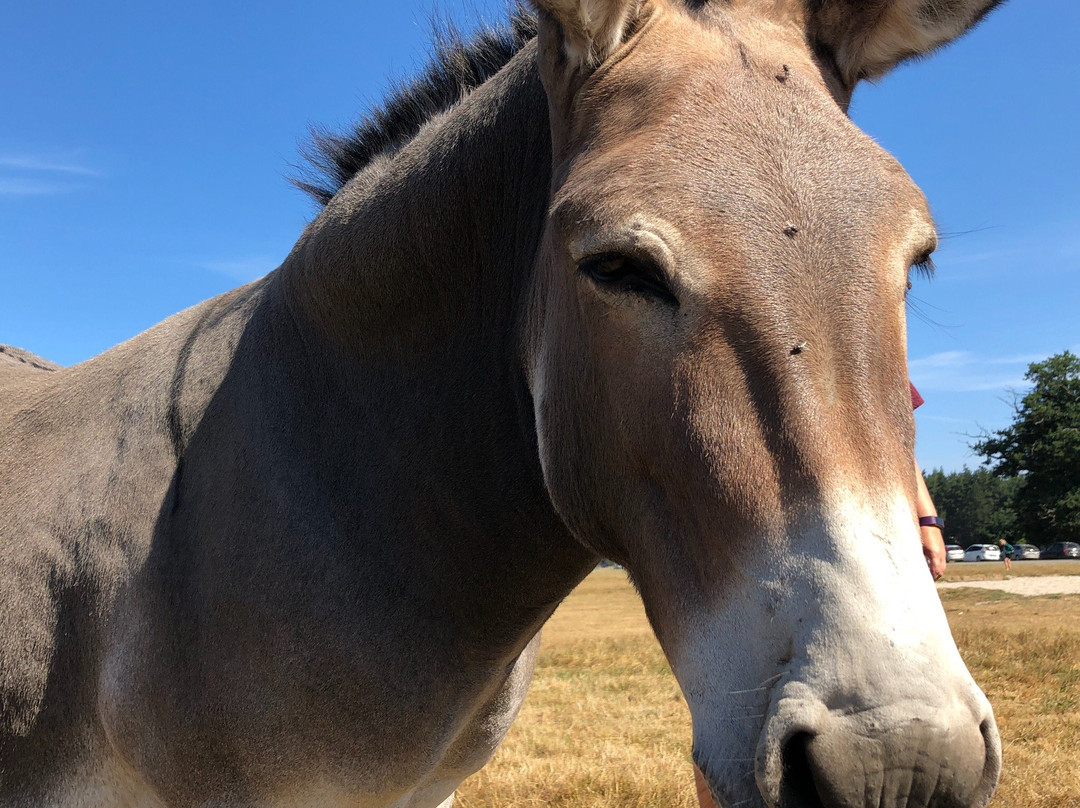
46 165
242 269
944 359
964 372
23 175
30 186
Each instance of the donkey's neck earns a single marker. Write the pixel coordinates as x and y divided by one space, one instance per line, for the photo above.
439 237
413 279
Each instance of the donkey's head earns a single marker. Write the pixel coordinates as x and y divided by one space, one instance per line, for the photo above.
716 353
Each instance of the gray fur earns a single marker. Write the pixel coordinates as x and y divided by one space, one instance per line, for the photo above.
219 538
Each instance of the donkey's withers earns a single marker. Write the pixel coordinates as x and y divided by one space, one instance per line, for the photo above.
640 295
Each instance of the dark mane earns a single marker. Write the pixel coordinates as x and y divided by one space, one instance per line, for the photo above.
457 67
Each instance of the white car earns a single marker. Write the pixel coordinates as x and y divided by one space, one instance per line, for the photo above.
982 552
954 552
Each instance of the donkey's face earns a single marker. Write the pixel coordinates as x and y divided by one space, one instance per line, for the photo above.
717 360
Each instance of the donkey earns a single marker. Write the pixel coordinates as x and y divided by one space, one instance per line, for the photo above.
621 281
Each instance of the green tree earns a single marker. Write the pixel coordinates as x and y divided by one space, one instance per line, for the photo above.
977 506
1042 448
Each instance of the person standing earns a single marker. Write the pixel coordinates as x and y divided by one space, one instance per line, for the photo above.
1007 552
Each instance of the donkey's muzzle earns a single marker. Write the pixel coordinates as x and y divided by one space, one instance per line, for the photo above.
882 758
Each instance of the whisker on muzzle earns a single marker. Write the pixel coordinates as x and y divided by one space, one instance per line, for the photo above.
763 685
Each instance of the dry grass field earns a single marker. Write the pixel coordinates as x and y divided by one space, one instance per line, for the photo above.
605 724
995 570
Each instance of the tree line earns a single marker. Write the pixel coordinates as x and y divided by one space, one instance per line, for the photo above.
1028 489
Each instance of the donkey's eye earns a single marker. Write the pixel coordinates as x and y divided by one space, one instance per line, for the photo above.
623 273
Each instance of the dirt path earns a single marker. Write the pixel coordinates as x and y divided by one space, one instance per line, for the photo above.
1029 586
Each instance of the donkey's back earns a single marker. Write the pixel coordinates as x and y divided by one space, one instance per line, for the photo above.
17 363
87 457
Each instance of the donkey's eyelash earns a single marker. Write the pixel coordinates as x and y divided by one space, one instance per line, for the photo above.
924 266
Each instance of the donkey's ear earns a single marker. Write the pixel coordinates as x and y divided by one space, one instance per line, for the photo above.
868 37
588 30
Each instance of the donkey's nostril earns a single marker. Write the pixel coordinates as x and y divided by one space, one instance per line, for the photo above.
798 788
914 763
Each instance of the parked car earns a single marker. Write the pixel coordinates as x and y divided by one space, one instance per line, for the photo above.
954 552
1023 552
1062 549
982 552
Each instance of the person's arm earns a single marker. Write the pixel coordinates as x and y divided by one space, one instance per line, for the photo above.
704 796
933 542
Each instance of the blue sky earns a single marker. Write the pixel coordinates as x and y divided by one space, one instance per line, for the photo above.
144 150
